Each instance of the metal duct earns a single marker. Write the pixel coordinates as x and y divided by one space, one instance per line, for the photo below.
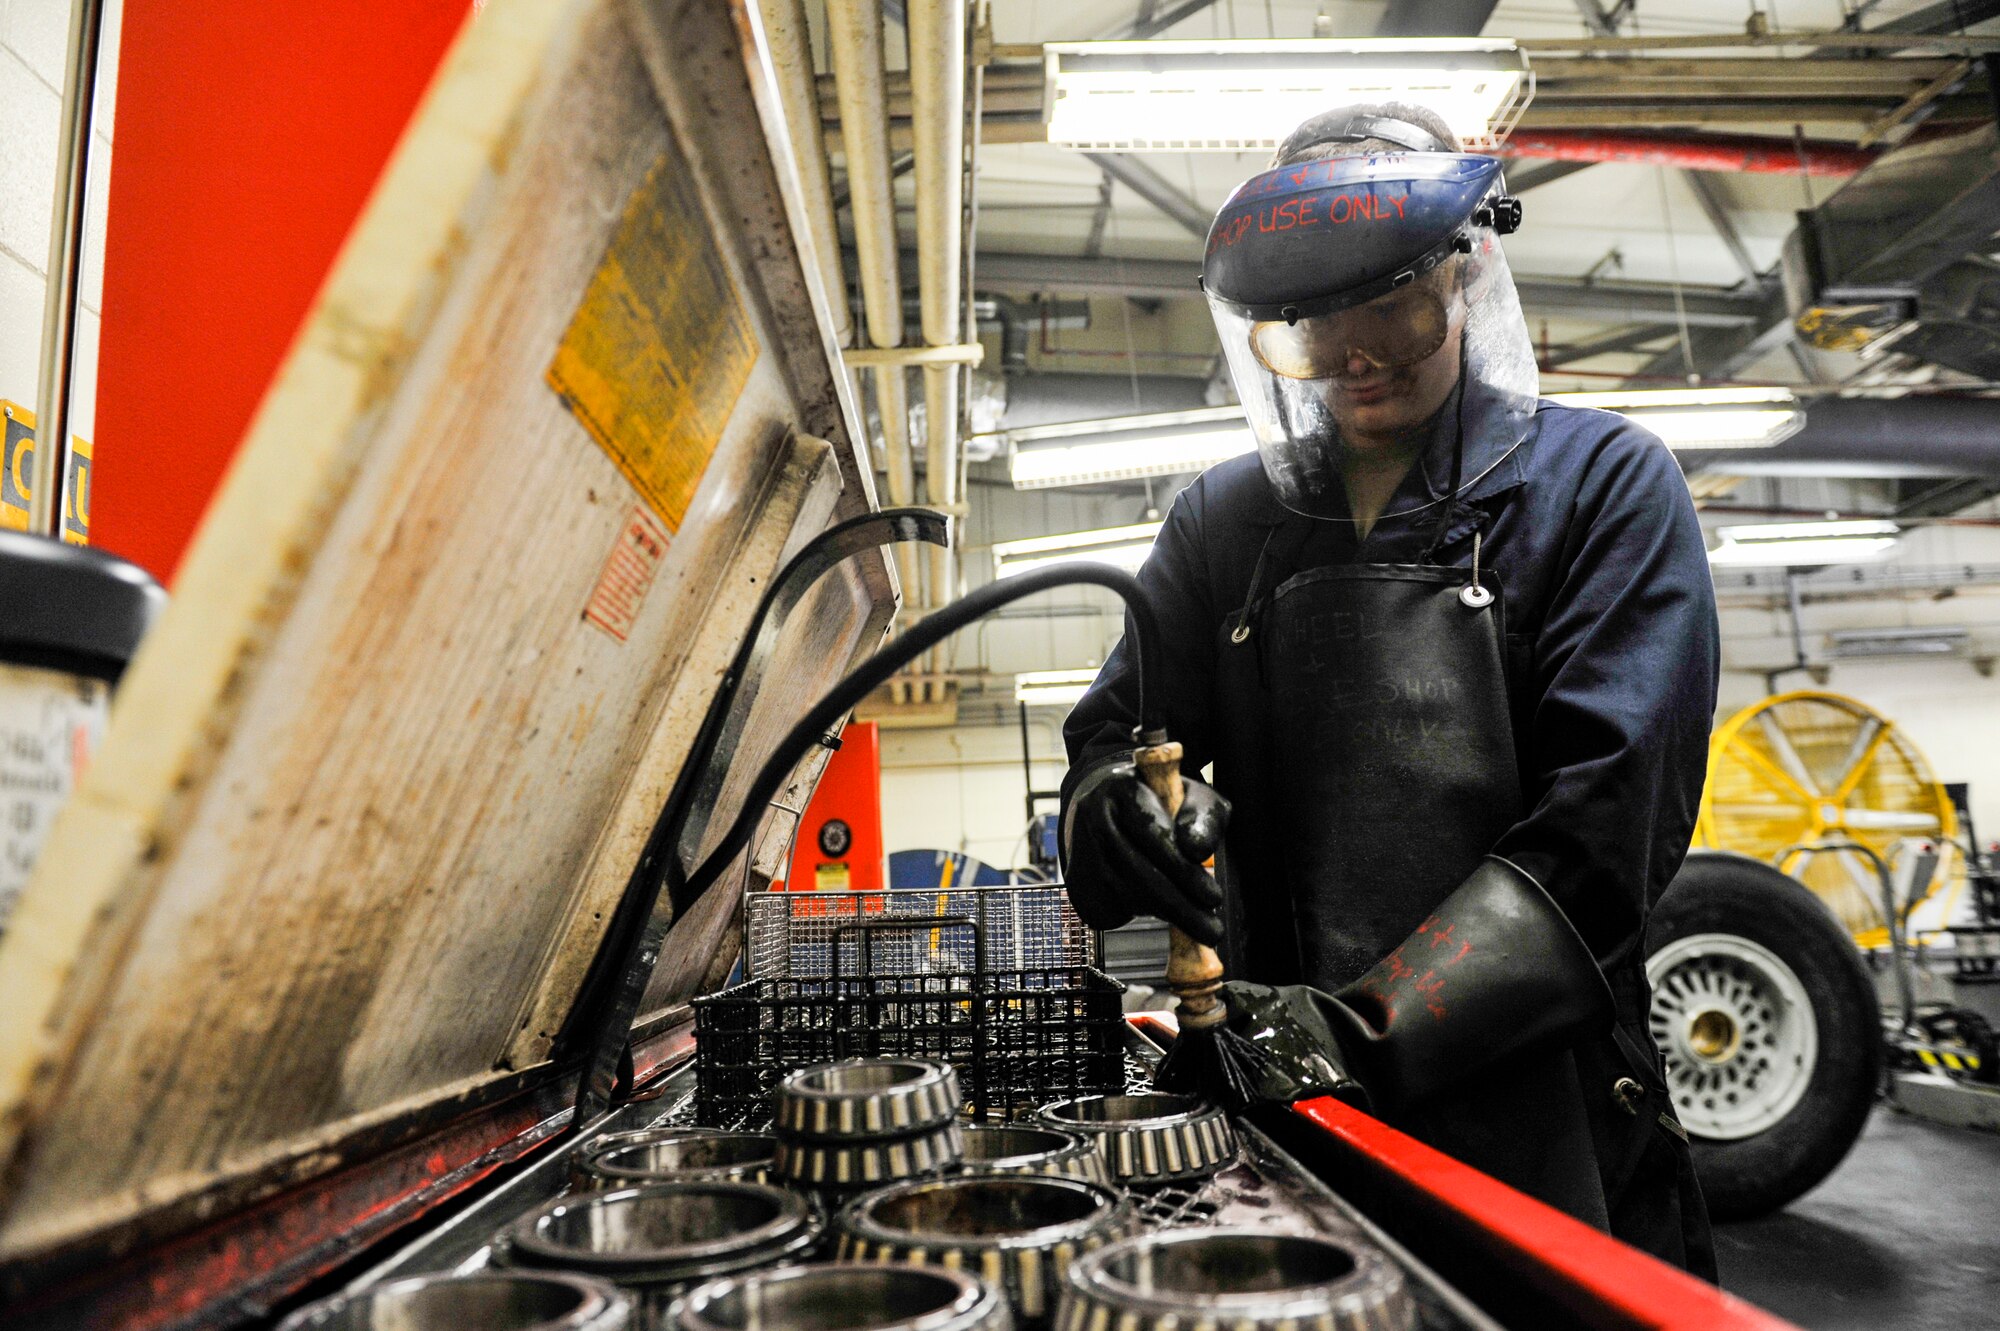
1900 257
854 28
1882 438
1740 153
937 104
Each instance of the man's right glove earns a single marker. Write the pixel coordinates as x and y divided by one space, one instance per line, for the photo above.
1123 855
1496 973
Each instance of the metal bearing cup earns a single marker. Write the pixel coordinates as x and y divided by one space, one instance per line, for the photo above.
1243 1279
867 1097
1149 1139
863 1162
490 1300
1020 1148
846 1296
1017 1231
657 1240
627 1159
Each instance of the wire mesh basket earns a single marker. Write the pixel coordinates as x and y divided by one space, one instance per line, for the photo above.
994 980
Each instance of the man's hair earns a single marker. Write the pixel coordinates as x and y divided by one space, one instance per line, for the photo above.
1423 117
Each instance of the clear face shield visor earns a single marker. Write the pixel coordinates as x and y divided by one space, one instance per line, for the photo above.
1358 297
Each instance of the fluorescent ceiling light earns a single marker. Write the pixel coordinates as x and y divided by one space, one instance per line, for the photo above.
1127 447
1121 547
1052 687
1799 544
1227 96
1696 418
1172 443
1943 641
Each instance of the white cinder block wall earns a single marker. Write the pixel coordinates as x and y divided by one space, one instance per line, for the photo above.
34 36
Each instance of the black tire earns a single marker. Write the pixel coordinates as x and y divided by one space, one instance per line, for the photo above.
1728 894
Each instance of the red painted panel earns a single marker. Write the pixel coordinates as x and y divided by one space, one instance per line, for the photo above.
249 135
849 794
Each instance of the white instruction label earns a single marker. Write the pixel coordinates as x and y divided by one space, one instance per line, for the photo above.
50 724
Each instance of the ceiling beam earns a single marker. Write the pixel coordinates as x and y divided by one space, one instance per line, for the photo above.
1723 353
1152 20
1156 189
1709 195
1174 279
1434 18
1941 17
1627 338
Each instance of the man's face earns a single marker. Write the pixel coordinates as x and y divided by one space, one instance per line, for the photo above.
1383 368
1378 408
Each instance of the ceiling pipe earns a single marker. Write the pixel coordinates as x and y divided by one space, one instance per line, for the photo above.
854 30
790 43
937 100
1747 153
1876 438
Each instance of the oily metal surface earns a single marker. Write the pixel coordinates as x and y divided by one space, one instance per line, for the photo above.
1264 1188
488 1300
666 1232
623 1159
1026 1148
846 1296
1018 1232
1240 1279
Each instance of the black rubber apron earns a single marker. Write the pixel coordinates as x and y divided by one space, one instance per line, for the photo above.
1389 759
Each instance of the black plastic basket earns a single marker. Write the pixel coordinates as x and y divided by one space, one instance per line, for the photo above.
1019 1036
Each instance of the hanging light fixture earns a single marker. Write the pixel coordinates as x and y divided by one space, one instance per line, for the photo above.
1127 447
1228 96
1704 418
1052 688
1121 547
1804 544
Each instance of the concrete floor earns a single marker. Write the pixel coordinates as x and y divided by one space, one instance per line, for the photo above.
1905 1235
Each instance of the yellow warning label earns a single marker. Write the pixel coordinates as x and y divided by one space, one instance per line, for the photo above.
18 472
658 352
831 877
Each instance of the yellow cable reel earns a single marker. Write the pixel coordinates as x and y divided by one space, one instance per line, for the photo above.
1811 767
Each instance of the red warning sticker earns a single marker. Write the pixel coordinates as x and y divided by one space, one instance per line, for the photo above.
628 573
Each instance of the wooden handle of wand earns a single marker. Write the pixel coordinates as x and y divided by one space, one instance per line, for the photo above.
1194 971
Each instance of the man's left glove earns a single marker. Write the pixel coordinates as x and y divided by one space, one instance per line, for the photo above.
1124 855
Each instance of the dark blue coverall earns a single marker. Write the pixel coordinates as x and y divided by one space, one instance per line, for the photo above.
1612 661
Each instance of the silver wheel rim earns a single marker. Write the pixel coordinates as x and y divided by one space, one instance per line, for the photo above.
1737 1031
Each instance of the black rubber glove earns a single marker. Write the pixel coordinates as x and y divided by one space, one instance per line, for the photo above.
1123 856
1496 972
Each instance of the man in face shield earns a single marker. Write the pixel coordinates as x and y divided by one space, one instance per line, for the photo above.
1451 651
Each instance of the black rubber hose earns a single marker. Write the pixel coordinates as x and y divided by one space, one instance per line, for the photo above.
928 633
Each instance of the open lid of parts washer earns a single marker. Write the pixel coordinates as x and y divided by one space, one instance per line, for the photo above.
379 776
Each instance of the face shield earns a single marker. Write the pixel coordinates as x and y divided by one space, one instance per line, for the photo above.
1364 303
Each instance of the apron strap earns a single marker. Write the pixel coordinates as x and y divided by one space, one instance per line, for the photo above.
1443 527
1276 561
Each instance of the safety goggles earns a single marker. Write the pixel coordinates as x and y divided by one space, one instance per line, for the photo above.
1401 328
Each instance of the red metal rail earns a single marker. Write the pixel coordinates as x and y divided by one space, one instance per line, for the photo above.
1524 1261
1588 1274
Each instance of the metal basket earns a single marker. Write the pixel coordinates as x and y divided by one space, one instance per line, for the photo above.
994 980
793 934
